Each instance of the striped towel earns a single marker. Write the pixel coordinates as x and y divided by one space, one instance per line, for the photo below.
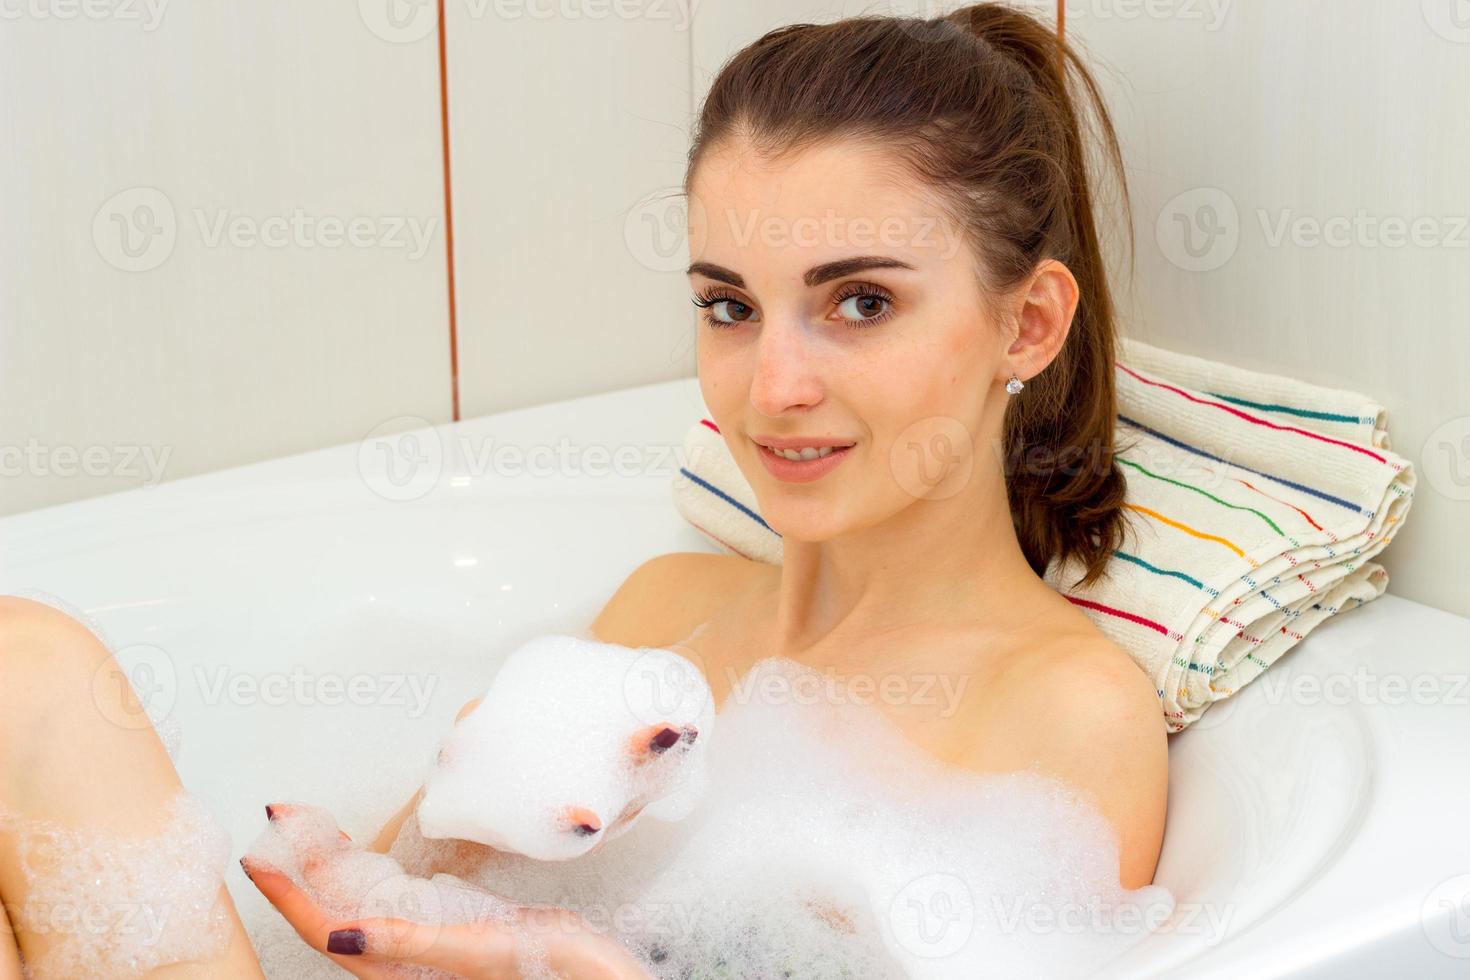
1254 503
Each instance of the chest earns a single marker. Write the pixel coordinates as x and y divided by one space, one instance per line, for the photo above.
931 688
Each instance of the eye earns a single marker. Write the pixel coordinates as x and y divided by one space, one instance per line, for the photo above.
864 304
722 310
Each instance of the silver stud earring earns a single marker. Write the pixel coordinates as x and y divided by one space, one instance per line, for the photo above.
1014 385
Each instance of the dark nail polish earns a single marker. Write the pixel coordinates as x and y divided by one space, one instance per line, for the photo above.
690 734
246 868
664 739
585 829
270 812
347 942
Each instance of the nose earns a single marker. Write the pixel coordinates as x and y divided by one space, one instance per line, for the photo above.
786 370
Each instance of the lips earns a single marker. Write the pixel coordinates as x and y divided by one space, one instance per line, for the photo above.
804 470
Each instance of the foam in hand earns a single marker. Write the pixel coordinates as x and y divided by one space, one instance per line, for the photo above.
572 743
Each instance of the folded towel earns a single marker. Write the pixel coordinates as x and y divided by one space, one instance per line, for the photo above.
1254 503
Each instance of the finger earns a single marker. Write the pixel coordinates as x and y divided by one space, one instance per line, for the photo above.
580 820
310 924
293 904
274 811
473 949
469 706
652 741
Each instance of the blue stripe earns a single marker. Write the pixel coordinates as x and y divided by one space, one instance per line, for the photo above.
1284 482
729 500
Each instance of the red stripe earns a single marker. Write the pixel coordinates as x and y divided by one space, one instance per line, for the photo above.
448 222
1121 614
1252 418
710 424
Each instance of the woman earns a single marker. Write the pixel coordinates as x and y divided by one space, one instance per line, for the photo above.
897 267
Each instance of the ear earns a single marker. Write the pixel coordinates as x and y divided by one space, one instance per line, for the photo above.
1046 303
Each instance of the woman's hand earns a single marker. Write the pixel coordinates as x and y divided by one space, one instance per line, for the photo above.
379 947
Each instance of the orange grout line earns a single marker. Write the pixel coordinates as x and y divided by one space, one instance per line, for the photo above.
448 222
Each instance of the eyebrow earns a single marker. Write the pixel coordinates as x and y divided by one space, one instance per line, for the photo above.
814 276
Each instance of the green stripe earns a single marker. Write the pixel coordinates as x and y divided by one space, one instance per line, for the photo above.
1223 503
1305 413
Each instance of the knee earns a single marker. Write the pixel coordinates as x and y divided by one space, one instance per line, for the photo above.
43 650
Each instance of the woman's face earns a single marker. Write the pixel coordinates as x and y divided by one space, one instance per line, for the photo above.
843 310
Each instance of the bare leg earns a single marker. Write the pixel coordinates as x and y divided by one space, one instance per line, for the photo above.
65 759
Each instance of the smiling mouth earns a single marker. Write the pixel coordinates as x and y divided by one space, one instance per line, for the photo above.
802 455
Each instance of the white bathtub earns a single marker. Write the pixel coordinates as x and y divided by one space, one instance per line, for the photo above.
314 622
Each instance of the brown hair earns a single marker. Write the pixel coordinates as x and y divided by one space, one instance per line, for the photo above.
979 106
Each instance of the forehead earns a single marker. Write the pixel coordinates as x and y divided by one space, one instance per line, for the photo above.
834 198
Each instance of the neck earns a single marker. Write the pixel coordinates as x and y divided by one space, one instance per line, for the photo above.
936 563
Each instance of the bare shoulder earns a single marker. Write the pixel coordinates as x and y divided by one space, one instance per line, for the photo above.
1082 711
666 597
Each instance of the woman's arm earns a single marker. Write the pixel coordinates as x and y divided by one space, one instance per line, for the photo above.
390 830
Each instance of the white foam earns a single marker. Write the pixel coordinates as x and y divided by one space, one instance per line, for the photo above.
348 883
828 845
558 729
822 844
116 906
